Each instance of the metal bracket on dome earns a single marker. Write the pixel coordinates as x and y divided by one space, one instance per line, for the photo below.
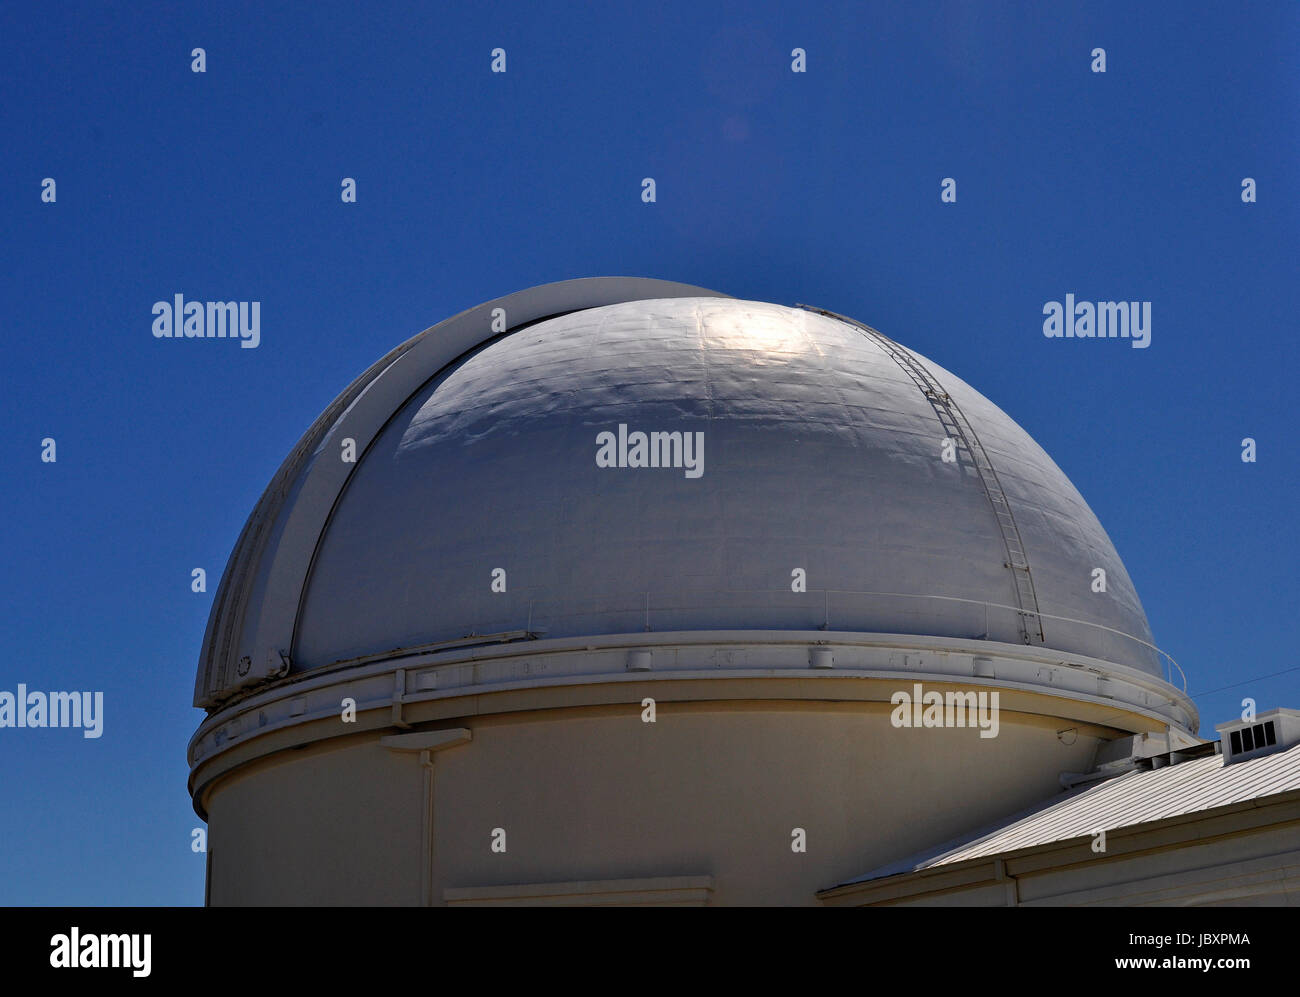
958 428
254 614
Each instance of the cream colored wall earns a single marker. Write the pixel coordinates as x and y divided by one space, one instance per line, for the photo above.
1240 866
320 826
595 794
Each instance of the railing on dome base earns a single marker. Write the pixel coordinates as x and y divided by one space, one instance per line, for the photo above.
516 616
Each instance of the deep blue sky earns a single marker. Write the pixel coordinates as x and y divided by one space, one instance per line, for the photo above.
819 188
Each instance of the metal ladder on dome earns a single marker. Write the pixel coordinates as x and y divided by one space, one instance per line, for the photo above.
958 428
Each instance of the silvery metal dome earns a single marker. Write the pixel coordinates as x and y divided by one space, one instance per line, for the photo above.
823 453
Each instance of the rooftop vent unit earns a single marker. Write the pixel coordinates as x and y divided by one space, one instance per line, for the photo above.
1273 731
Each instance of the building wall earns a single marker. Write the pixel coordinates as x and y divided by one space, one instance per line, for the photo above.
594 794
317 827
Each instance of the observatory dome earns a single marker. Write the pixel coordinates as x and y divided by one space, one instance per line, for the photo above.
819 496
639 572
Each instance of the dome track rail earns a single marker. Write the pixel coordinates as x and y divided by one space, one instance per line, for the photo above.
958 428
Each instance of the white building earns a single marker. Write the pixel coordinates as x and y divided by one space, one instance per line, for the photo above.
468 651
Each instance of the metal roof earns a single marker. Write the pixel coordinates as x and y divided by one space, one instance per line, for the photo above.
1135 798
821 453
